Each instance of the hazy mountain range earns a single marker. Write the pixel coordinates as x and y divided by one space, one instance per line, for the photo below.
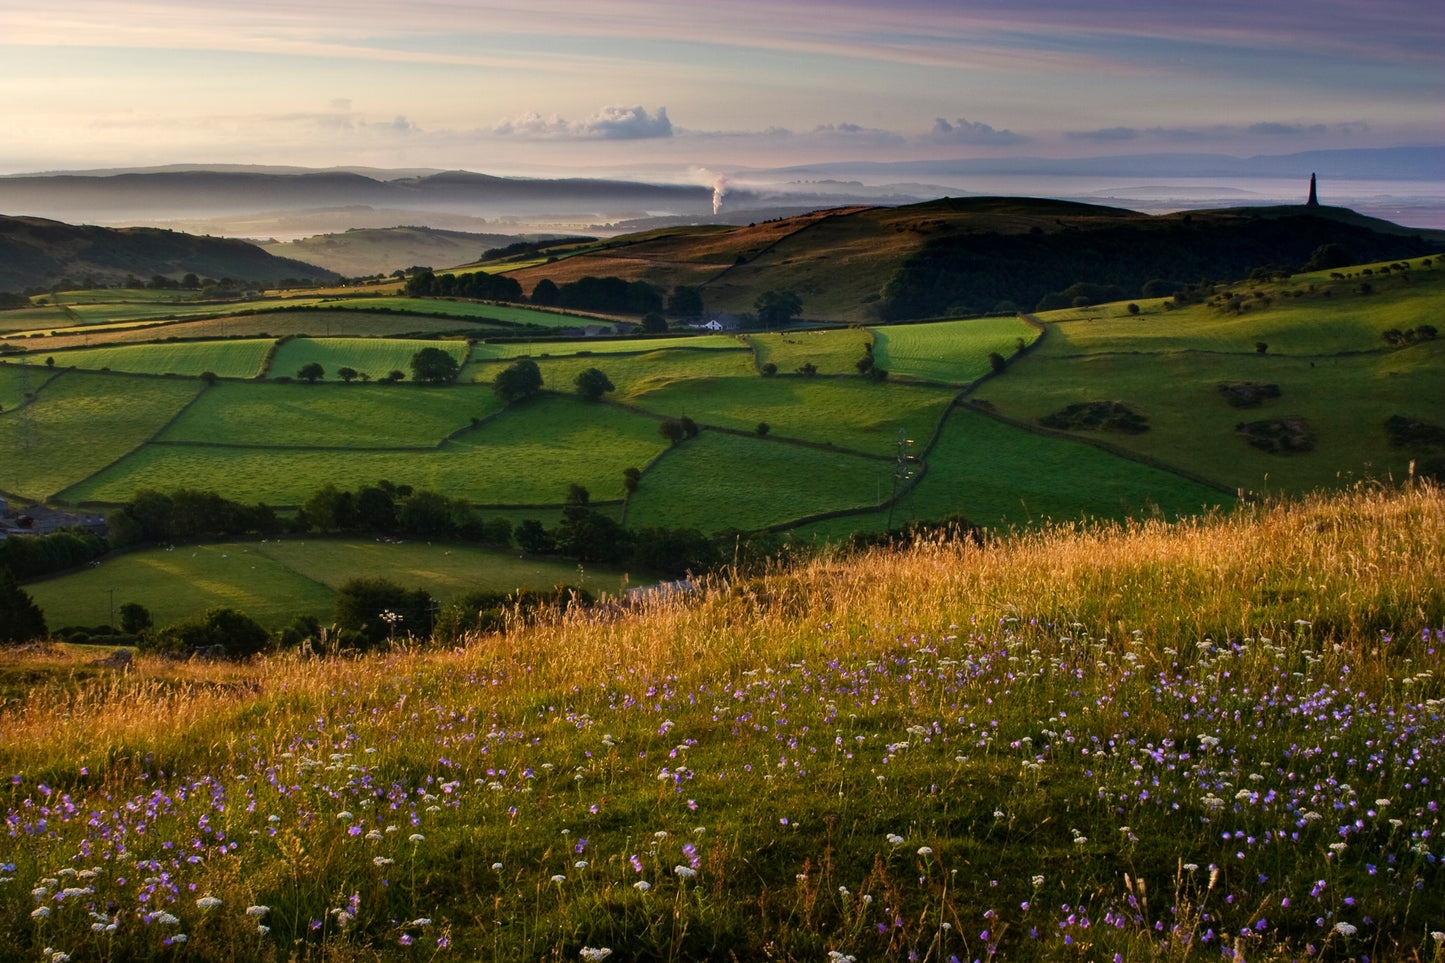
290 202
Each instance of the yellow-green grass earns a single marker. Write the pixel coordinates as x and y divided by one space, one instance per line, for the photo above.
330 415
228 359
271 323
631 374
845 412
1346 399
79 424
117 295
17 379
112 312
370 356
1310 324
537 350
25 319
470 310
997 474
983 684
718 482
528 455
948 351
832 351
274 581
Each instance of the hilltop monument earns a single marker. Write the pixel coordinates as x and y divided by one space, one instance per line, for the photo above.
1314 200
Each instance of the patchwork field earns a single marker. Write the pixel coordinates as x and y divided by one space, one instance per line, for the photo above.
274 581
80 423
1193 426
227 359
329 415
719 482
374 357
527 456
953 352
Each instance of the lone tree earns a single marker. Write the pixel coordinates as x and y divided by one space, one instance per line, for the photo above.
520 379
672 430
592 384
776 308
433 366
20 618
347 374
311 373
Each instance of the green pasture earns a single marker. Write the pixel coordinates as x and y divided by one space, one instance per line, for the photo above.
1310 324
632 374
26 319
334 321
716 482
16 380
79 423
537 350
832 351
373 356
468 310
849 413
949 351
997 474
529 455
120 295
126 311
330 415
274 581
229 359
1346 398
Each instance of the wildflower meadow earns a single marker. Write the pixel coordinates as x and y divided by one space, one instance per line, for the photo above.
1220 738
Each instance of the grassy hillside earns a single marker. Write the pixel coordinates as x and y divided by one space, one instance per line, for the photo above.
35 252
1148 741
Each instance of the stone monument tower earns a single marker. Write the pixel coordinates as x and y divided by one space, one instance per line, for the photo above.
1314 200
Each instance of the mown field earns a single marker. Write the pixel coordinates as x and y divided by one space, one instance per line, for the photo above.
329 415
1215 738
953 352
276 580
226 359
373 357
79 423
528 456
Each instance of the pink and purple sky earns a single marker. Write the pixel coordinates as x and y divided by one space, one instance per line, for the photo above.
553 86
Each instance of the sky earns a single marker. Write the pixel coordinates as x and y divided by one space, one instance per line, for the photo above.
572 86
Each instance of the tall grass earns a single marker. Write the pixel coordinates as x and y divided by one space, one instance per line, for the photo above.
1220 737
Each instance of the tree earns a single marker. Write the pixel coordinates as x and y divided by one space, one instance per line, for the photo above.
631 478
378 609
1133 308
532 538
672 430
20 618
433 366
592 384
807 369
311 372
654 323
776 308
520 379
763 428
347 374
997 362
685 302
769 369
135 618
545 293
689 427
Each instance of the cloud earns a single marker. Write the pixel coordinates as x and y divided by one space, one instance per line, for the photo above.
852 135
608 123
1106 135
1285 130
966 132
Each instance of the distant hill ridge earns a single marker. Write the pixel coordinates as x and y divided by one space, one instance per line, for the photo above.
37 253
